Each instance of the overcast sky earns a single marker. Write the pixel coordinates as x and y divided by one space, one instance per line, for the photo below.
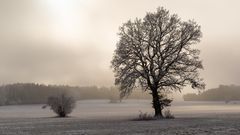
72 41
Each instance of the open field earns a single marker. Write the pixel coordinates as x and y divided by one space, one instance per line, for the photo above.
100 117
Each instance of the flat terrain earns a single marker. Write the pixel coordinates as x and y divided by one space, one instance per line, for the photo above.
101 117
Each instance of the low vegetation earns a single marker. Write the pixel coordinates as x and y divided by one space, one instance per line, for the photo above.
62 104
168 115
145 116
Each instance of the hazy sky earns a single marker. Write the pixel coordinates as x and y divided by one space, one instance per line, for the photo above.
72 41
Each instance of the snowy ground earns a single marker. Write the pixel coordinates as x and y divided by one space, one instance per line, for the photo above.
101 117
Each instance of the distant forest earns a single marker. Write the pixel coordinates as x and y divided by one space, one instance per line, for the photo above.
222 93
31 93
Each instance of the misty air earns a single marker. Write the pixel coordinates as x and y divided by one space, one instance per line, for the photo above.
111 67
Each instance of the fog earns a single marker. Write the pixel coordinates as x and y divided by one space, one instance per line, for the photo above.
72 42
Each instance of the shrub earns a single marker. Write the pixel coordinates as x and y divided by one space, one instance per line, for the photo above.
168 114
145 116
62 104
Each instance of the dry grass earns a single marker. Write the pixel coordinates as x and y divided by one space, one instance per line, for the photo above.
145 116
168 115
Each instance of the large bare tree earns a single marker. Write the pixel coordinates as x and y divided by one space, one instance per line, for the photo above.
157 53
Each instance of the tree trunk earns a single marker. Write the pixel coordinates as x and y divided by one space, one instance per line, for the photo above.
156 104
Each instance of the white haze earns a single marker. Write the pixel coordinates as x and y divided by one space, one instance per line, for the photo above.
72 41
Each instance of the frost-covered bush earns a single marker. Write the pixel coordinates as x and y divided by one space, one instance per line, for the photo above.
145 116
62 104
168 114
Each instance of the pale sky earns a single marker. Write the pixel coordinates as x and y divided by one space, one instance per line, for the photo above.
72 41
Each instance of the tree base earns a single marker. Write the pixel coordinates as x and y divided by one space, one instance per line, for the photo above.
159 117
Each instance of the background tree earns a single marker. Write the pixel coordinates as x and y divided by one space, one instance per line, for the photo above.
62 104
156 53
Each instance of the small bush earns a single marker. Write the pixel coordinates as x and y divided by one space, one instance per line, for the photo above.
168 114
145 116
62 105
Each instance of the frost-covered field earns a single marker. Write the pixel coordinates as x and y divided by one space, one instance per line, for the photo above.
101 117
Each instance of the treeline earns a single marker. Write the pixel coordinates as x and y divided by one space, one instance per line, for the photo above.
222 93
31 93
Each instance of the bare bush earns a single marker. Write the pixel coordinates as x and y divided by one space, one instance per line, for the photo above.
62 104
168 114
145 116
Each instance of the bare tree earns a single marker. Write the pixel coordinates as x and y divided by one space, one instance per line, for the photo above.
157 53
62 104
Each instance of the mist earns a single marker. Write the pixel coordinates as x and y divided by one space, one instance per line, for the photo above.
72 42
60 58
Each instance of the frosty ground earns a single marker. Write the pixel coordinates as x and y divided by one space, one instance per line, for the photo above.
101 117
